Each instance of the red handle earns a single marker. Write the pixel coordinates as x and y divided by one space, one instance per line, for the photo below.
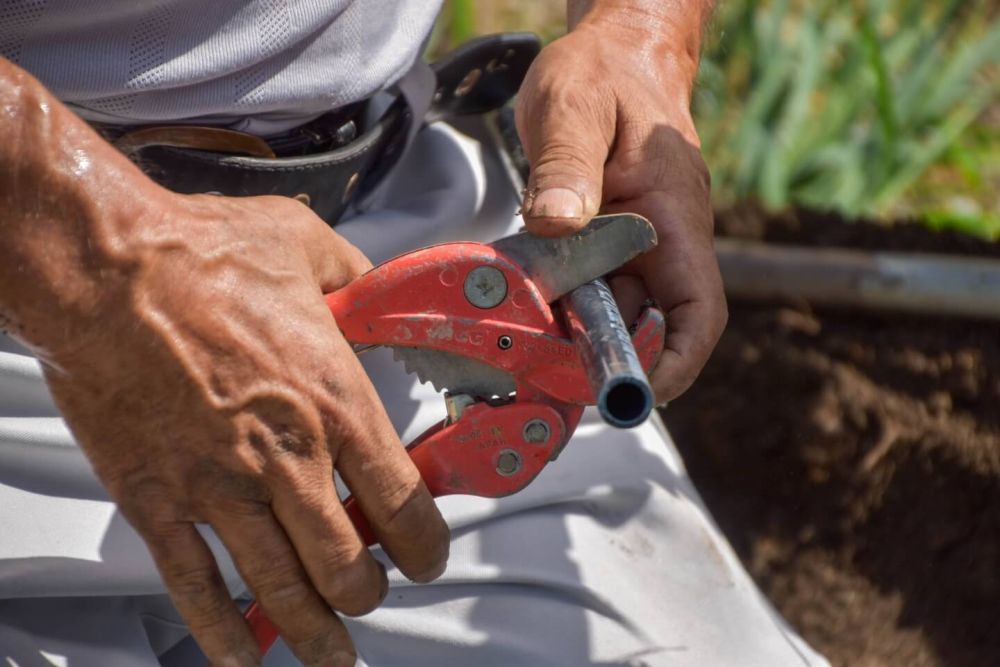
488 452
465 457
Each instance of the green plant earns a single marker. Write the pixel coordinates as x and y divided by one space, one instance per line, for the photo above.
462 20
843 105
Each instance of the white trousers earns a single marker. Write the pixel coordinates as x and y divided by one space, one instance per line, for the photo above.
608 558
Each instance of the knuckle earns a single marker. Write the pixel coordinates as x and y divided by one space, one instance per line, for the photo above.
562 159
210 612
153 520
284 426
574 97
233 486
195 590
282 591
402 502
266 572
323 650
159 533
356 603
226 503
137 481
186 576
351 590
308 492
417 522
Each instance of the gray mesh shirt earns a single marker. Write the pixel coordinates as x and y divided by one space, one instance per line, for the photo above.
261 65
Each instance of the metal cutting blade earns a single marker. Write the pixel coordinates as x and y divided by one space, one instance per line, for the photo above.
557 266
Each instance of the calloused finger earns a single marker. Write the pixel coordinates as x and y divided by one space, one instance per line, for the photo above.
694 303
566 137
693 329
337 562
682 275
388 487
268 564
193 581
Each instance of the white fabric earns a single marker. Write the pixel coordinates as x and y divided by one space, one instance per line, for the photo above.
608 558
258 65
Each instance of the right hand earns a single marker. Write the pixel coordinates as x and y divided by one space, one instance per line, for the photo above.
211 385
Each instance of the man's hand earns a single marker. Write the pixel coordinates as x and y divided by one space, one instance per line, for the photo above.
604 118
188 345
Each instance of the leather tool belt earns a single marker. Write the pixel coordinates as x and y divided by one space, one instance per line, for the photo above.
338 158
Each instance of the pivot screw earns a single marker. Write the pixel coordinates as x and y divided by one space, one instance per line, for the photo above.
485 287
537 430
505 342
508 463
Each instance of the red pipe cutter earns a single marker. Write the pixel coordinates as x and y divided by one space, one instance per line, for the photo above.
522 334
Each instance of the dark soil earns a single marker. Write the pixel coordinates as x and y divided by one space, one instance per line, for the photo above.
853 460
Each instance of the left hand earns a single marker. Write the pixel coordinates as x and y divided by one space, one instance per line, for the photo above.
604 119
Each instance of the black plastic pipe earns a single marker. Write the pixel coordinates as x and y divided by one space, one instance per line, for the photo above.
624 396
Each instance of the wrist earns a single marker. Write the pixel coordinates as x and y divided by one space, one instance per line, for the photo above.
665 34
70 200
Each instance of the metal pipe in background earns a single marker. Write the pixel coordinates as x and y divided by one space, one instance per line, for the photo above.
912 282
624 396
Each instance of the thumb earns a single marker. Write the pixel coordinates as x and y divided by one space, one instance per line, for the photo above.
566 146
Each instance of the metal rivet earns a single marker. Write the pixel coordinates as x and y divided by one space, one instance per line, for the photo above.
352 185
467 83
485 287
346 133
303 197
537 430
505 342
508 463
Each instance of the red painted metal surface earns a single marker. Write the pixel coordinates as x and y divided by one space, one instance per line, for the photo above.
418 300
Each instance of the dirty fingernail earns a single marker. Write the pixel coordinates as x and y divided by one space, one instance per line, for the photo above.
242 659
556 203
431 574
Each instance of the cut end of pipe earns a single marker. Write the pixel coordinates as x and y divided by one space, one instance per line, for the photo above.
625 402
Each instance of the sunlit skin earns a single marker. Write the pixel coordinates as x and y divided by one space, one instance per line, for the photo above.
187 343
604 117
188 346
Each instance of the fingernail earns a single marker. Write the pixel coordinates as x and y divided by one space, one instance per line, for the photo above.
341 659
242 659
431 574
556 203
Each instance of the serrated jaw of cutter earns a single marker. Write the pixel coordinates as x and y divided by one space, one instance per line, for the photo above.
453 373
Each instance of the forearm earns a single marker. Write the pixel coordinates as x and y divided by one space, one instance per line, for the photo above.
67 198
669 30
